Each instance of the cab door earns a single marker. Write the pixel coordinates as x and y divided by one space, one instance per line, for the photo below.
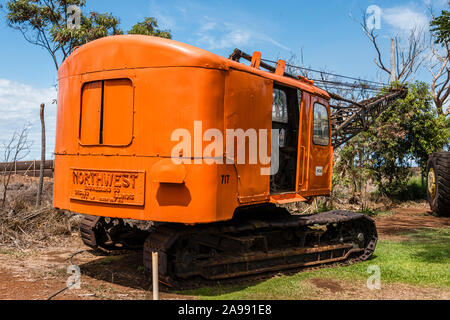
320 170
248 108
285 121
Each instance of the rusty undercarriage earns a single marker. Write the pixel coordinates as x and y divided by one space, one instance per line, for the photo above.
259 240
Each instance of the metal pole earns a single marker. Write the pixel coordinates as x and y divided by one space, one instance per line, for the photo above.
155 276
393 62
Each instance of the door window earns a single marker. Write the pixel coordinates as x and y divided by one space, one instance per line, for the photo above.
321 125
280 107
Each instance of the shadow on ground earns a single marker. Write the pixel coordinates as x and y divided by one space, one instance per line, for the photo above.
434 244
127 270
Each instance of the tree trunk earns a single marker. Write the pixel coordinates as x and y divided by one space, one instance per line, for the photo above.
6 180
393 63
41 175
439 106
422 174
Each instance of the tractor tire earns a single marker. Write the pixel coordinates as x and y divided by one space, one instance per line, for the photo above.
438 183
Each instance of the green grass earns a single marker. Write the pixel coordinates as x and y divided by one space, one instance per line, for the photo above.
375 212
17 253
421 260
110 259
414 190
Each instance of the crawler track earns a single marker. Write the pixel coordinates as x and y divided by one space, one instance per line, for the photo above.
261 241
88 229
251 246
110 234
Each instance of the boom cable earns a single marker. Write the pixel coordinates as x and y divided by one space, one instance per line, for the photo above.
359 84
328 73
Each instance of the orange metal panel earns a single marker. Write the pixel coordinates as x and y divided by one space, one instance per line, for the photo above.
287 198
256 60
118 112
201 199
304 142
281 68
91 111
166 171
248 106
168 99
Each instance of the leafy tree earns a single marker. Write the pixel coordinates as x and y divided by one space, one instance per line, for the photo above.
93 27
353 169
44 23
440 27
149 27
407 133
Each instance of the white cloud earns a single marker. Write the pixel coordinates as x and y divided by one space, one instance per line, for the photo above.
210 31
404 18
226 39
220 35
268 39
165 19
208 26
436 3
20 105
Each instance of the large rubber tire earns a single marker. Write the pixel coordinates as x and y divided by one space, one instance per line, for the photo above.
439 164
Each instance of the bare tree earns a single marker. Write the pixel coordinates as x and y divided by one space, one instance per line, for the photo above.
408 53
440 70
296 65
439 67
352 91
15 150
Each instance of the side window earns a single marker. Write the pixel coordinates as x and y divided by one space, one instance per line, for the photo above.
321 125
280 108
107 113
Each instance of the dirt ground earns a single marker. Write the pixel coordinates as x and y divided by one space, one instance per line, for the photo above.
408 218
38 274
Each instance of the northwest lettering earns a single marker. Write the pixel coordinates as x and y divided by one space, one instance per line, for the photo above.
97 180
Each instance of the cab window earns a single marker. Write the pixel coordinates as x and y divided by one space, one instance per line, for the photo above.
321 129
280 107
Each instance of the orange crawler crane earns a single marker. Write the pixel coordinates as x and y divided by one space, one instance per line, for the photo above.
136 117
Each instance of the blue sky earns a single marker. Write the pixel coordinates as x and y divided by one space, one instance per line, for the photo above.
322 29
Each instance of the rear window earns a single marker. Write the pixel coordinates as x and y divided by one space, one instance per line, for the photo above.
321 131
107 113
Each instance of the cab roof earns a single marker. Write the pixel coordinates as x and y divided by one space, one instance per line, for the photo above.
138 51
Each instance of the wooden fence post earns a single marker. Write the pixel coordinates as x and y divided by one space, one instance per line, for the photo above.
155 273
41 175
